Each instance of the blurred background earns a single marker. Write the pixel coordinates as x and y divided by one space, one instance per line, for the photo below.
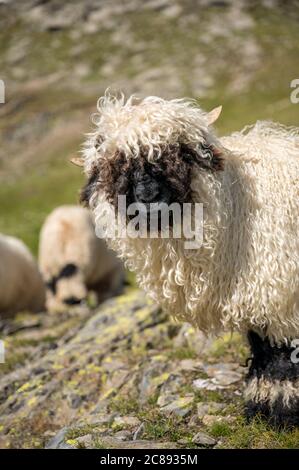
57 57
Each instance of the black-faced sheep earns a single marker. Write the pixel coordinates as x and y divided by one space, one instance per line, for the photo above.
21 284
245 276
74 261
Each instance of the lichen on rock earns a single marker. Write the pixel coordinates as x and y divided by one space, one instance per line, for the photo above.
117 374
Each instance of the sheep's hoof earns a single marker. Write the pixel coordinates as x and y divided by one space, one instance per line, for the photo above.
272 389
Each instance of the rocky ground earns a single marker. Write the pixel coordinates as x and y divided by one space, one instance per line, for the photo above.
123 376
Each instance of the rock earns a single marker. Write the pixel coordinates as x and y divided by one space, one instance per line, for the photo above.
209 420
51 19
102 371
221 376
87 369
139 432
172 11
123 435
154 377
188 337
202 439
183 442
103 419
190 365
207 384
58 440
85 441
179 406
224 374
112 443
165 398
172 384
81 70
229 378
156 4
127 422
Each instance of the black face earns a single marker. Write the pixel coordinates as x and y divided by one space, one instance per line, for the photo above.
148 189
152 183
166 180
68 270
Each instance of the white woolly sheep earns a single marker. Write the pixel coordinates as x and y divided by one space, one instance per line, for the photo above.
73 261
21 284
245 276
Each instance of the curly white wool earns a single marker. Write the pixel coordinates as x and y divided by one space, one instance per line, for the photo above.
246 274
153 122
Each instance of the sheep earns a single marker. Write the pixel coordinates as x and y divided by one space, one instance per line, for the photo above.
73 261
21 284
245 275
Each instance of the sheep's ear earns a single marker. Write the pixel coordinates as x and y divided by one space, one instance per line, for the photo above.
78 161
213 115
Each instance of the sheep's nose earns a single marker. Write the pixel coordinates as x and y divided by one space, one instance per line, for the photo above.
72 301
147 191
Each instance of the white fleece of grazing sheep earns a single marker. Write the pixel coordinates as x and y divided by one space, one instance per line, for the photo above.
21 285
68 237
246 274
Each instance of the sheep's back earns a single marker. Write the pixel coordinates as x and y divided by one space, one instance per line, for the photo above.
266 159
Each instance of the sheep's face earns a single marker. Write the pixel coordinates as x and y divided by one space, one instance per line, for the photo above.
148 151
66 290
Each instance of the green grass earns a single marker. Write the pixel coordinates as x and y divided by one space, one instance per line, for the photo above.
256 435
231 346
124 405
26 203
160 427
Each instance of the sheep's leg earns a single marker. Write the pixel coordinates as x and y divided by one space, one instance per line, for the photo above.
272 388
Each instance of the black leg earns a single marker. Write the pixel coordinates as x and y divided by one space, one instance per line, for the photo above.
272 384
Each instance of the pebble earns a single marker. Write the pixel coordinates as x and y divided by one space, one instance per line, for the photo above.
180 406
126 421
203 439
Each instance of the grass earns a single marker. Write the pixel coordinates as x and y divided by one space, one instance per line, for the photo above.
26 203
74 433
124 405
157 426
230 345
255 435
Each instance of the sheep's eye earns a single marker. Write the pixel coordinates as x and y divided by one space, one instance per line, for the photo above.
68 270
